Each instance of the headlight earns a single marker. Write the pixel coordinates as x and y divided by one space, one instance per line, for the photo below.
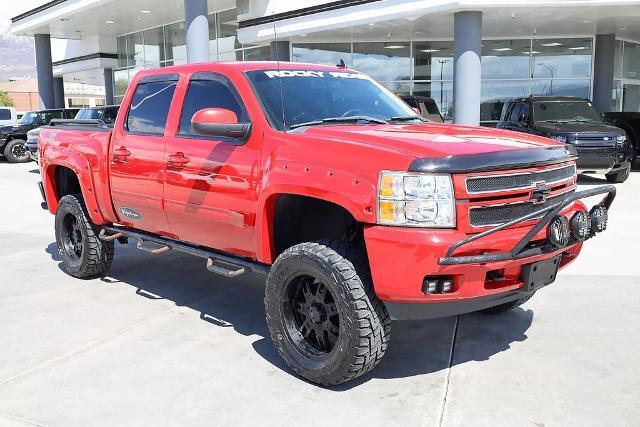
560 138
416 200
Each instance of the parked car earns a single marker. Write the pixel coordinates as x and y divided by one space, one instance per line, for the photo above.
490 112
600 147
357 209
630 123
105 113
425 106
8 116
13 139
33 138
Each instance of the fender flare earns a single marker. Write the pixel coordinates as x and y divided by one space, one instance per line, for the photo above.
345 189
79 164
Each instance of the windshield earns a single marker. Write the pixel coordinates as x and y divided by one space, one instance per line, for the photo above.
88 113
28 118
314 96
565 111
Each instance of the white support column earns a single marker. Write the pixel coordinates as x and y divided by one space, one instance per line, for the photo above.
467 44
197 30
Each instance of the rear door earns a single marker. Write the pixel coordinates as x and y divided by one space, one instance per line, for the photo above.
211 182
137 155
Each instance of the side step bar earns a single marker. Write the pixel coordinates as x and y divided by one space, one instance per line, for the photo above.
218 262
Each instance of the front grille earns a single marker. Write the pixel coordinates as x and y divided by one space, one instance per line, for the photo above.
518 181
496 215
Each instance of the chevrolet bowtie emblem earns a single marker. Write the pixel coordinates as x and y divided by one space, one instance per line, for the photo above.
541 193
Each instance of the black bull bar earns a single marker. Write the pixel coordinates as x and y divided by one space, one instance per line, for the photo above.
520 250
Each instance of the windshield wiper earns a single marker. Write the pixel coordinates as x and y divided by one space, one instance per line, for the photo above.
583 121
406 118
348 119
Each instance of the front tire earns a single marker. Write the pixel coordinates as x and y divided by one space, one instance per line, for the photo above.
16 151
83 253
324 317
620 176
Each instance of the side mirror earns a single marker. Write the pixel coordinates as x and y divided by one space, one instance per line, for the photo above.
219 122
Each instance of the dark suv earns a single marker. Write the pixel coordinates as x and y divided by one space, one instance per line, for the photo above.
13 139
601 148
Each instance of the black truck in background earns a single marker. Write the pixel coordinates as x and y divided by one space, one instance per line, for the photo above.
630 123
13 139
601 147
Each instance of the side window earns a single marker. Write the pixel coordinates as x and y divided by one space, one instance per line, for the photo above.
150 107
5 114
216 92
110 115
524 112
515 110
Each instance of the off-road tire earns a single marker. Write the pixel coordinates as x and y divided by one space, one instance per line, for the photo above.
619 176
11 147
365 325
96 255
507 305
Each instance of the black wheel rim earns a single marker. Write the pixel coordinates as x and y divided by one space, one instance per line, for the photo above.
19 151
311 316
72 239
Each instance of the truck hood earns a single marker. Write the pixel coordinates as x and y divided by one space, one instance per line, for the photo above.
577 127
430 139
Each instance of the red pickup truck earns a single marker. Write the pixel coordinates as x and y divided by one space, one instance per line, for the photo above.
358 210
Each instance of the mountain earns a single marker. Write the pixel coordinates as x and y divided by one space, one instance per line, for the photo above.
17 55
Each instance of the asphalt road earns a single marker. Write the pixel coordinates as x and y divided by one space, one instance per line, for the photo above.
161 341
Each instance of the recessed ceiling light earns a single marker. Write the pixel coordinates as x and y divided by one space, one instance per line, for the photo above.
578 48
394 46
551 44
145 11
502 49
429 50
621 28
526 52
109 22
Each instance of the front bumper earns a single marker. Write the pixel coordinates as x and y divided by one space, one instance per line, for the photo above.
603 159
485 267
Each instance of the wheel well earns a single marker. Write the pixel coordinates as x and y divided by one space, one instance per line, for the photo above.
66 182
299 219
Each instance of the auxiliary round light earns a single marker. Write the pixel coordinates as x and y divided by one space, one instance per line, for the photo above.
558 231
599 218
580 225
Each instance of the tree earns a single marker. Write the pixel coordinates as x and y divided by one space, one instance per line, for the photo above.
5 100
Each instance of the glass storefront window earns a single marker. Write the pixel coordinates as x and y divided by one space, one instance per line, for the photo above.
153 45
433 60
121 46
546 87
505 59
441 92
399 88
134 49
227 29
617 60
553 58
257 53
383 61
175 42
321 53
121 81
631 61
495 92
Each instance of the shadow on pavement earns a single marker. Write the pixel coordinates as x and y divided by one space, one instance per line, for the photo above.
592 179
416 348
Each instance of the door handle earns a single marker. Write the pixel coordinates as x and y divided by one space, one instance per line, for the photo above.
121 154
178 160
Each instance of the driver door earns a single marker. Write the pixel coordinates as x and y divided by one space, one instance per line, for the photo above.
210 186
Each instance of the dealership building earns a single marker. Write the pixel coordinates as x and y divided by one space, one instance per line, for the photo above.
466 55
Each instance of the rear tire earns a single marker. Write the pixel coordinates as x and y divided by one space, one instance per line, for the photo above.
507 305
324 317
16 151
83 253
620 176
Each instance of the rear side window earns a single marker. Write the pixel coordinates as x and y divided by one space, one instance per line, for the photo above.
110 115
150 107
5 114
213 92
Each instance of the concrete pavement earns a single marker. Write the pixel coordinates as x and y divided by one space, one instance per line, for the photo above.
161 341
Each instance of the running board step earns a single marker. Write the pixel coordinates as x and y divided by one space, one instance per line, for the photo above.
218 262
